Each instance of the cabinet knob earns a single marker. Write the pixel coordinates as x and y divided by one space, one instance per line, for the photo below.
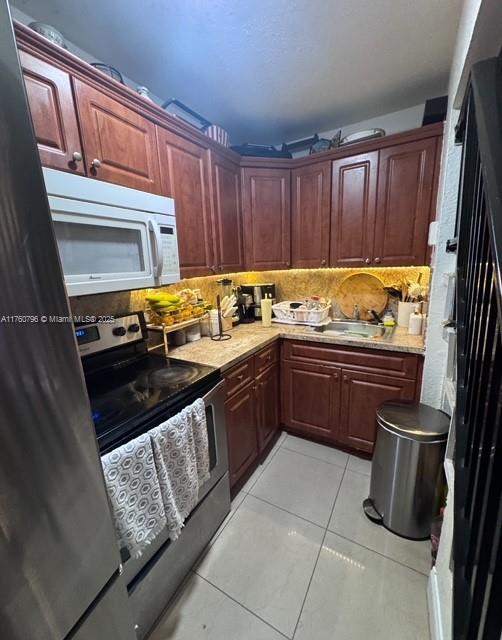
367 261
323 263
335 376
221 267
240 376
377 260
95 164
287 264
345 379
213 268
76 156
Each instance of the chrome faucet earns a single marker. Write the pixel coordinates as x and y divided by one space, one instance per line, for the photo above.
356 315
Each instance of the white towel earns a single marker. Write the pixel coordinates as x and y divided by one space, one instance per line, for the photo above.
134 491
181 453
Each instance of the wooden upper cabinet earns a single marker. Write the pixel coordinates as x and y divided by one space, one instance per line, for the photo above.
310 215
405 194
362 394
226 196
53 114
267 218
353 207
185 177
119 144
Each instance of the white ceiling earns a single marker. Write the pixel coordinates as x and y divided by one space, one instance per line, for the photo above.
270 70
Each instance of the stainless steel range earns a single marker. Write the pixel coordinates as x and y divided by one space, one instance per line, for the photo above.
132 390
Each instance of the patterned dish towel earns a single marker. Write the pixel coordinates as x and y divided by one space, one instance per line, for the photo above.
181 453
134 491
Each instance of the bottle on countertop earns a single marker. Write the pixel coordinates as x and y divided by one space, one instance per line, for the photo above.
266 311
415 324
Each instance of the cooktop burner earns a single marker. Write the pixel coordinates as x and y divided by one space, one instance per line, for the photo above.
124 395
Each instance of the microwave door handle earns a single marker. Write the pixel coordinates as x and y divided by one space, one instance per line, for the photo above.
158 256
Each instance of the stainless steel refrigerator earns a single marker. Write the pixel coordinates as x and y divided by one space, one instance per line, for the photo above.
59 562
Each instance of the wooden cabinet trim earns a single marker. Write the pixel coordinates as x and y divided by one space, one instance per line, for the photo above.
266 358
239 376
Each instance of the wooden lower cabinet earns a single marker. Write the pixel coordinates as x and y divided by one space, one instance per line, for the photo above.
328 400
252 411
267 392
362 394
242 437
310 398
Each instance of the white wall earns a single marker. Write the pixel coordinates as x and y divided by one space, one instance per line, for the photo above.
479 36
394 122
24 18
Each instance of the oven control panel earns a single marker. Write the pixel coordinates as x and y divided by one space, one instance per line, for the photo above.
93 338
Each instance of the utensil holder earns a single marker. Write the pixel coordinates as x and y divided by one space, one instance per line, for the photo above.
404 311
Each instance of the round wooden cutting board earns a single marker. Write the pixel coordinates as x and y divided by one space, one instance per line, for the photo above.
364 290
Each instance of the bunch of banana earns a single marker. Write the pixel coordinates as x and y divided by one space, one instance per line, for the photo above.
164 302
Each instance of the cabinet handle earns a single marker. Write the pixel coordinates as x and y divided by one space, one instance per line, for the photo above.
335 376
287 264
96 163
377 260
345 379
367 261
323 263
213 268
240 377
221 267
76 156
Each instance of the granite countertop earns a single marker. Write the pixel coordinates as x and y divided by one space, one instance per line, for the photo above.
250 338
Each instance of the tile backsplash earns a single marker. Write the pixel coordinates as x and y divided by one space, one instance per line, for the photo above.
291 284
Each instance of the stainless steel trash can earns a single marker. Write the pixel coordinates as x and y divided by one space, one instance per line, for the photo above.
409 451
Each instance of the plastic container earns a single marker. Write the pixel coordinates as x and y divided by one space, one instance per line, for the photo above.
178 338
415 322
193 333
300 315
404 311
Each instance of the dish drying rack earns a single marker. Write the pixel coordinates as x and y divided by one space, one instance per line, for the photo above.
317 317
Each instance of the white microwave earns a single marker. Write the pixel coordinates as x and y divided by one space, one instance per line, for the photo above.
111 238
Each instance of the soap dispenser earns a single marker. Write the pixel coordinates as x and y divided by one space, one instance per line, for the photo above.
415 325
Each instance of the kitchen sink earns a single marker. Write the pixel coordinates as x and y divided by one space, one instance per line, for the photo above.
354 328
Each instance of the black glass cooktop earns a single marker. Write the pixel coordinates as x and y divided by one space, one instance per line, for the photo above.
127 397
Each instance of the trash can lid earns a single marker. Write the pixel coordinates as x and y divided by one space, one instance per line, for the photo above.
413 420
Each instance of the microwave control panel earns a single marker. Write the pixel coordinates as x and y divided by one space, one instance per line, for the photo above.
171 264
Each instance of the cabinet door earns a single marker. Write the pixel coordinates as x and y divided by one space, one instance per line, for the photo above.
240 411
362 394
405 188
267 218
310 399
226 186
353 206
268 405
184 177
310 213
119 144
53 114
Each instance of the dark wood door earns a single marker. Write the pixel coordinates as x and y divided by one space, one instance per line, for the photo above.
404 203
267 392
267 218
240 411
362 394
226 195
310 215
310 399
120 145
53 114
353 207
184 176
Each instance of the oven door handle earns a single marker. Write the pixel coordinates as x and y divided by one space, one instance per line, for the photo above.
157 253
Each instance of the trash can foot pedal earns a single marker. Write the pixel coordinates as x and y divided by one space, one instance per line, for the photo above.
370 511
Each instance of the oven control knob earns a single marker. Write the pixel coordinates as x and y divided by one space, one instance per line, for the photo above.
134 328
119 331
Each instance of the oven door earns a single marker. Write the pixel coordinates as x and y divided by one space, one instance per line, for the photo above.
214 401
102 248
